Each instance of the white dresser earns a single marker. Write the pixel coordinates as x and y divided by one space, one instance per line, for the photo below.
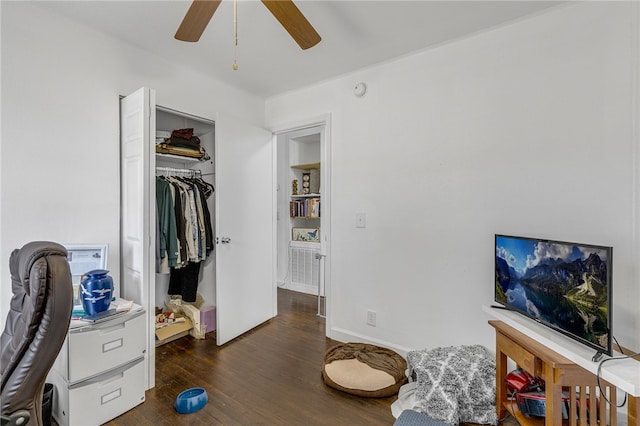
100 371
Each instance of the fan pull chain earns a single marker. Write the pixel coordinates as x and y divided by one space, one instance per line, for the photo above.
235 31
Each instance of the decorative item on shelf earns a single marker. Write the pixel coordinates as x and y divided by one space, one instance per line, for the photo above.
314 181
306 178
294 187
96 288
305 234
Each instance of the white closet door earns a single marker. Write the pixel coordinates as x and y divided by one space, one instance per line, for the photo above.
137 120
245 292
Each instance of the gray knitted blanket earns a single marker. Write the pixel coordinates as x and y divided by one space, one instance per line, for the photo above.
455 384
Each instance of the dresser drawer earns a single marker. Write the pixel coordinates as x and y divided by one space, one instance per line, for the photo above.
103 346
102 398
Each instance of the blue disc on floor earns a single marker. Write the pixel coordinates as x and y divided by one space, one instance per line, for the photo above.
191 400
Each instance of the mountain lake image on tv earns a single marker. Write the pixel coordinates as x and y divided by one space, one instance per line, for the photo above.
566 286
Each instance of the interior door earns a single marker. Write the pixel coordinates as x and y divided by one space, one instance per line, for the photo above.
137 122
245 290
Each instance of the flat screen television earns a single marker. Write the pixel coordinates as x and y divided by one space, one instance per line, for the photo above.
563 285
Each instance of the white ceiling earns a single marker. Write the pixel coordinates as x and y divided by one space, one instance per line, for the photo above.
355 34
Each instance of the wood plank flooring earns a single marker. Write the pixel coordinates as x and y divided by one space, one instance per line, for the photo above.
269 376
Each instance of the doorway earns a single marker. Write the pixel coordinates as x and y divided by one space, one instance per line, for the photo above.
303 212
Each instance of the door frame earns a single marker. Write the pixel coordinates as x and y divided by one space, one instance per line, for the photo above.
325 173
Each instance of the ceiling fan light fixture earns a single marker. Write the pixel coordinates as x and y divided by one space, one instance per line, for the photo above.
285 11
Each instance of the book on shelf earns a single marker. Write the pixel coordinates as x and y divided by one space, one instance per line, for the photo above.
313 208
309 208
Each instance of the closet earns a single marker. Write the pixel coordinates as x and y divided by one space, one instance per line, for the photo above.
172 167
238 277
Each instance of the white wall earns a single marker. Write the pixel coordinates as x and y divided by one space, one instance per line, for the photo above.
529 129
60 127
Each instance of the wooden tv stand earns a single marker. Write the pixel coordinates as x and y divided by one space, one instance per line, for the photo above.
559 374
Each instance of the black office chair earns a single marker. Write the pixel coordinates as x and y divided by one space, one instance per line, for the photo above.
35 330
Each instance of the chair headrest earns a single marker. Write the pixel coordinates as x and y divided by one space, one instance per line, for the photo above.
22 260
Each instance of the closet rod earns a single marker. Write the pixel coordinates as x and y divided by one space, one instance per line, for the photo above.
185 172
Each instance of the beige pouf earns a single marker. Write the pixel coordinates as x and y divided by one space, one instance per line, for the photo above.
364 370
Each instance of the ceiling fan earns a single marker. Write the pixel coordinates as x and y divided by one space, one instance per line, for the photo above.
285 11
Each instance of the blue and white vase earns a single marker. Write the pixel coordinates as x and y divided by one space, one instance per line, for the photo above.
96 290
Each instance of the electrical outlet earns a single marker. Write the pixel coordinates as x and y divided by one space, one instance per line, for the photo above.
371 318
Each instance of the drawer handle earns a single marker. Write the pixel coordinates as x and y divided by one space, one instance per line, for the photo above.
114 344
111 396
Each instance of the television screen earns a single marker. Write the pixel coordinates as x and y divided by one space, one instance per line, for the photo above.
565 286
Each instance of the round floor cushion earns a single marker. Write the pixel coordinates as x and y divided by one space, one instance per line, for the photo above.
364 370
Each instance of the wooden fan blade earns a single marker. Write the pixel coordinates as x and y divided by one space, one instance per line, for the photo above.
294 22
196 19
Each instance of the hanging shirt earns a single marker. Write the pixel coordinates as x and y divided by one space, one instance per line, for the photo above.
167 222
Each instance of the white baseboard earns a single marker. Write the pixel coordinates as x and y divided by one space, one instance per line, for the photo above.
345 336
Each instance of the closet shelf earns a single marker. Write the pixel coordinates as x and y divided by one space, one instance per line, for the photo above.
309 166
316 195
181 158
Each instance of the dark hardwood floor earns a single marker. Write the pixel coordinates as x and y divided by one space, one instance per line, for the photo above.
269 376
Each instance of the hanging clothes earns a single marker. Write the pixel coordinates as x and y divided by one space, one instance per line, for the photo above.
185 231
166 224
205 191
184 281
180 226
